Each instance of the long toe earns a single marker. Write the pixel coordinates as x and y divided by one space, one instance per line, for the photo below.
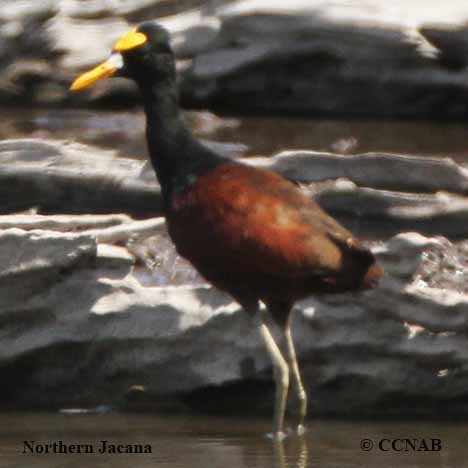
277 436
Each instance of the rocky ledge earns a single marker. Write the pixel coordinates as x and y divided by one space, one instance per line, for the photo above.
364 58
376 195
90 316
80 328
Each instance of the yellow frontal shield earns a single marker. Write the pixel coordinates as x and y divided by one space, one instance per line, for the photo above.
129 41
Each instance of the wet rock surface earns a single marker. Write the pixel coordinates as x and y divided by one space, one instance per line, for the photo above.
312 58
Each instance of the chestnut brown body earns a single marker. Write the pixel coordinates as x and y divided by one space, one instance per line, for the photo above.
255 235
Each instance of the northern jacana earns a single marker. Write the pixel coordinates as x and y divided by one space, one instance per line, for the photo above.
248 231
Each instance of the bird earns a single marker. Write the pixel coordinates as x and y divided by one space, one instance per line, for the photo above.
248 231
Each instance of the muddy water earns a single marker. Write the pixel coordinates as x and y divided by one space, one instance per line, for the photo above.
124 132
202 442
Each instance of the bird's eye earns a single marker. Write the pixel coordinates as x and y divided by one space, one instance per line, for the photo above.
161 37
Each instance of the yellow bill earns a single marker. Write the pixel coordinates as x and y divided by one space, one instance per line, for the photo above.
103 70
128 41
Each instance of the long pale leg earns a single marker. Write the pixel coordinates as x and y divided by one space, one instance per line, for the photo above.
281 374
294 367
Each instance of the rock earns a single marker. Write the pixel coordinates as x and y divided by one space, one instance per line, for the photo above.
452 43
370 353
72 178
39 53
33 260
314 59
112 256
375 170
95 41
104 228
306 57
25 49
385 213
65 177
62 223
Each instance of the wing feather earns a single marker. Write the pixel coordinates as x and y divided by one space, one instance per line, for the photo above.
255 221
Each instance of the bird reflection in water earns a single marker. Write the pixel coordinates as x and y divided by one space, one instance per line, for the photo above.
299 456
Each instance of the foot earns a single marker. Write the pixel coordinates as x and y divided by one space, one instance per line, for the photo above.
277 436
301 429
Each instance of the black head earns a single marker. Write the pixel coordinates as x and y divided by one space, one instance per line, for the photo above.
152 61
143 55
158 38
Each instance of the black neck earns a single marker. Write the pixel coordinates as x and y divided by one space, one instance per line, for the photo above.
175 154
165 130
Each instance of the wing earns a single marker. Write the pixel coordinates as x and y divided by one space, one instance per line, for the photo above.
254 221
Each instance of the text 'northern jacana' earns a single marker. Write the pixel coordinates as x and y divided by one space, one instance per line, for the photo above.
248 231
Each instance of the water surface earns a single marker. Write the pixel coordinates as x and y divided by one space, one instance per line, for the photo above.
124 132
210 442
